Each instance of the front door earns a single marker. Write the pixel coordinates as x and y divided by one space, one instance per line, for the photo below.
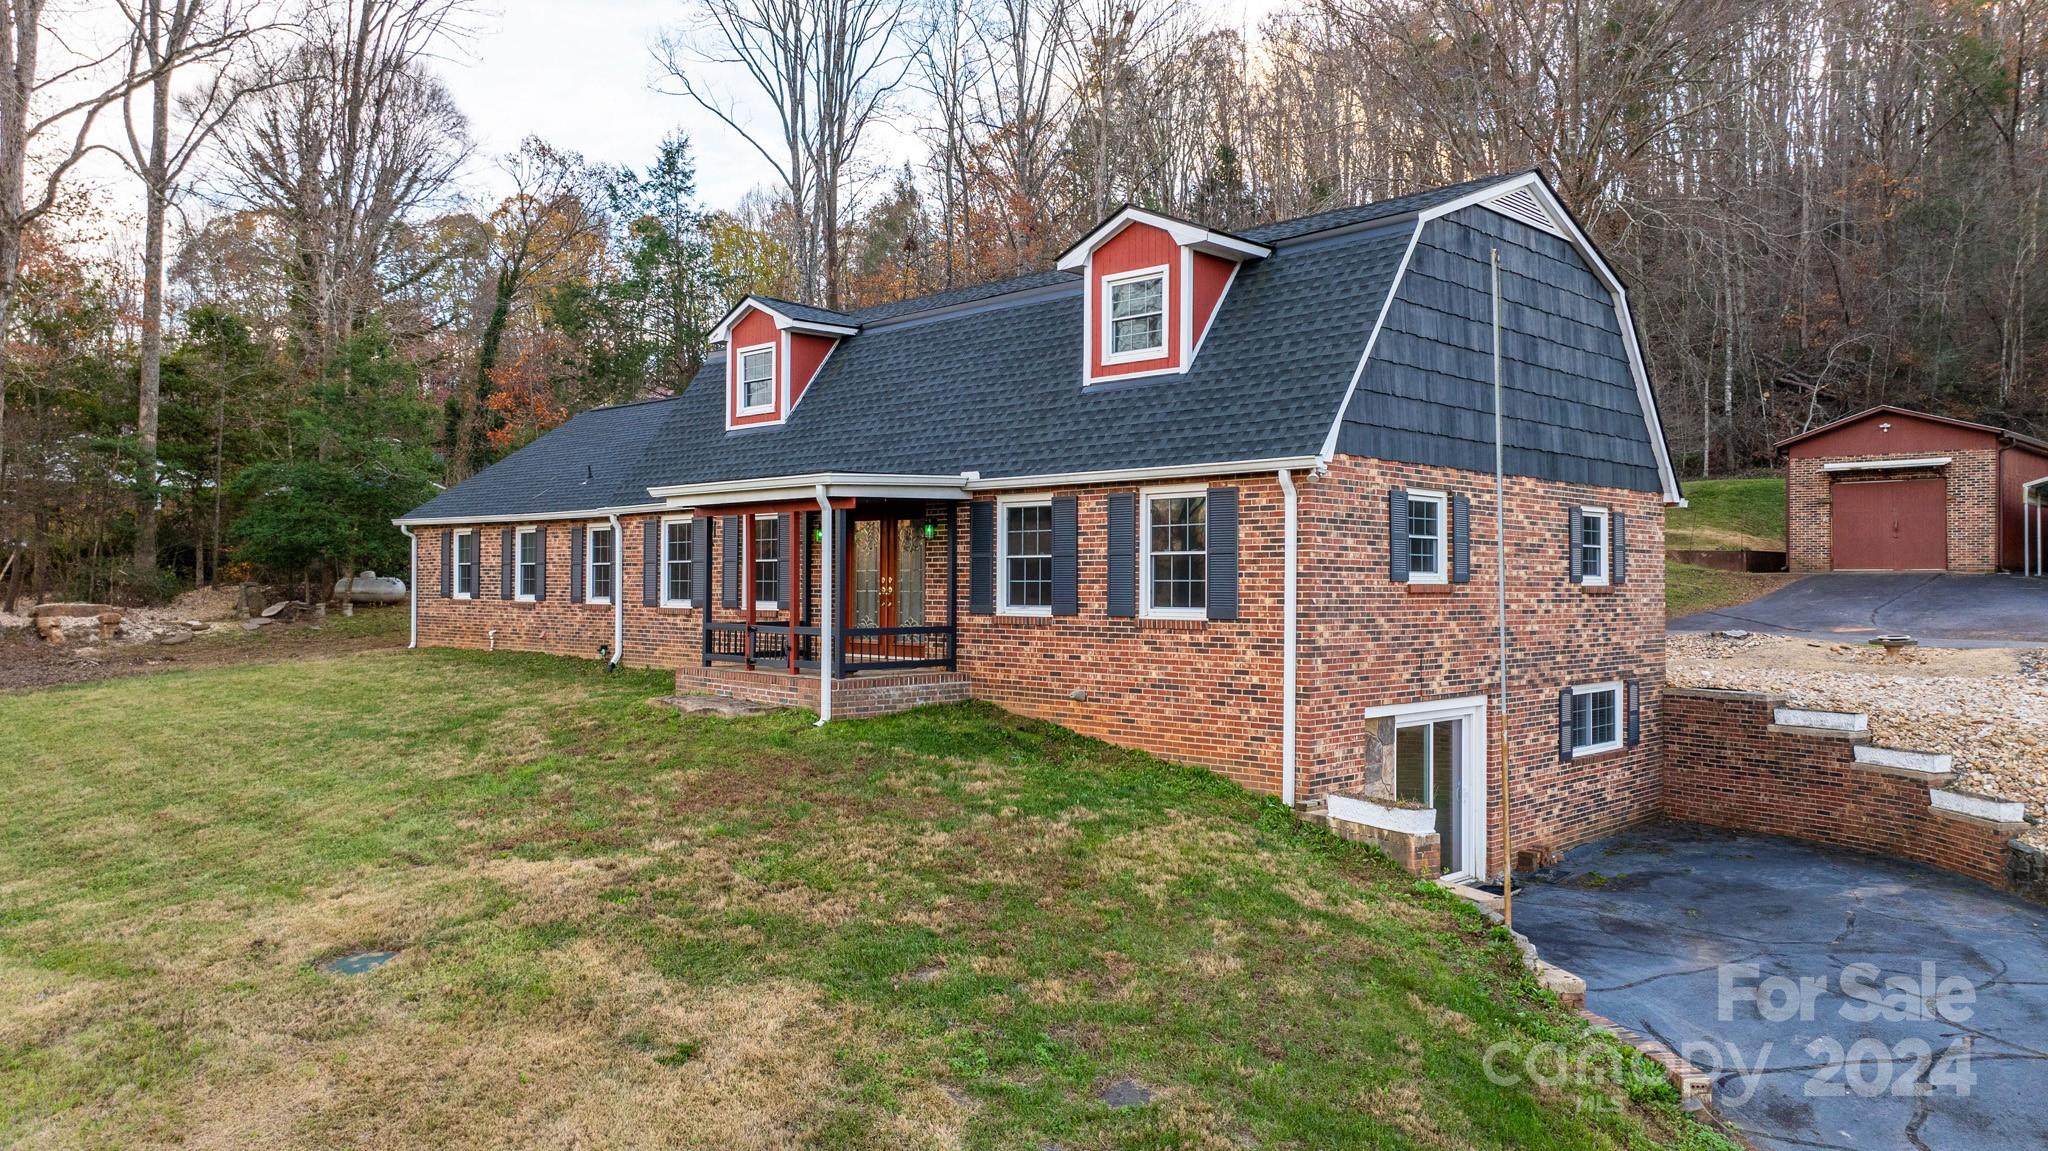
1427 772
888 582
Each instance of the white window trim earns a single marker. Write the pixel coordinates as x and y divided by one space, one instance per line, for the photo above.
1620 717
1164 274
686 521
739 380
455 559
1003 506
519 538
782 556
590 564
1145 498
1443 538
1606 546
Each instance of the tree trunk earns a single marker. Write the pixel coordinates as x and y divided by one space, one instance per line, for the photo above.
157 179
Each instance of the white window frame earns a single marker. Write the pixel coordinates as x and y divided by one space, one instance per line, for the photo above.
590 563
739 380
1443 538
455 558
667 558
1145 498
519 539
1606 545
782 556
1614 688
1160 272
1003 506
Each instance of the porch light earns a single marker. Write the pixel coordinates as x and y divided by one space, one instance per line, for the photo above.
931 530
817 535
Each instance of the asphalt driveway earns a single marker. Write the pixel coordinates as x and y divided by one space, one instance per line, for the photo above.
1933 607
1736 951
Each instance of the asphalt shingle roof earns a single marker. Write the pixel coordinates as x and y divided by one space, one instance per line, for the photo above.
990 382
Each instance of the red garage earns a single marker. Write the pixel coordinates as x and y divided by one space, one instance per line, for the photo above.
1897 490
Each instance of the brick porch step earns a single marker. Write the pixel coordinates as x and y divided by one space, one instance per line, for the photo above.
854 697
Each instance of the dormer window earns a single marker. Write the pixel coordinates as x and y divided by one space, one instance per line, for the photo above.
1137 315
757 379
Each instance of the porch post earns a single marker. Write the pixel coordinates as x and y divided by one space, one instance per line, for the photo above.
953 588
828 624
842 583
746 582
710 592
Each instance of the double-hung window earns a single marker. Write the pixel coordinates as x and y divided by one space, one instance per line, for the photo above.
1135 315
528 559
1596 718
757 379
602 563
1589 550
1427 535
465 564
675 563
767 562
1176 568
1026 560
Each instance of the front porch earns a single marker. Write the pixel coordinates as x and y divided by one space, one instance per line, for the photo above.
886 571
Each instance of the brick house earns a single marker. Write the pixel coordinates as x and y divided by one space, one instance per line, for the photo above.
1890 489
1228 498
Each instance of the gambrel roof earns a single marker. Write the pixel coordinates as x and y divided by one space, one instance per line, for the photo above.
1365 330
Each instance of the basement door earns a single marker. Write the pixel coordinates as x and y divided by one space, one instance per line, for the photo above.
1439 763
1890 525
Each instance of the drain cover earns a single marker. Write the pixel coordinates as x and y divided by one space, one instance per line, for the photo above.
357 962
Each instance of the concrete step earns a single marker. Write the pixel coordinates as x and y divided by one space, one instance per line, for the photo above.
1926 763
1980 807
1838 724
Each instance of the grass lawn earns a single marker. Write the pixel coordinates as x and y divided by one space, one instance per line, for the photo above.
1729 515
622 927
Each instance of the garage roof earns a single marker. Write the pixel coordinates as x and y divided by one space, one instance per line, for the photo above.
2004 435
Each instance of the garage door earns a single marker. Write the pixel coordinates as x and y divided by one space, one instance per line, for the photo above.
1891 525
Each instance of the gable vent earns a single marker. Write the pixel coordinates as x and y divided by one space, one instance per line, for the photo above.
1522 204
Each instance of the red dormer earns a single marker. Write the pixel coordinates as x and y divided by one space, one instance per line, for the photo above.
1153 283
773 349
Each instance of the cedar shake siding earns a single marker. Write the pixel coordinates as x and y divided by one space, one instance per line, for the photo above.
1351 350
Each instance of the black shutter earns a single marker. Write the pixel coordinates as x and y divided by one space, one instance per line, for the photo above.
1397 536
1123 554
1564 723
700 563
785 552
650 562
803 567
1221 530
1619 543
729 562
1066 556
447 564
1571 542
1461 540
540 563
509 562
981 557
576 538
1635 714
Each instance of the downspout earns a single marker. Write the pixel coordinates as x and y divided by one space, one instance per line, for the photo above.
826 615
618 591
412 591
1287 639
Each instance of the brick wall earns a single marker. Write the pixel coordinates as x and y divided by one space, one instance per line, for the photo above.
1368 641
1726 767
1972 478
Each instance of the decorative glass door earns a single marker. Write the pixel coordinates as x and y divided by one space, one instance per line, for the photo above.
867 573
1426 772
909 574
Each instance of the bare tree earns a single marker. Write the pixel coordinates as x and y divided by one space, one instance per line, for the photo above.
167 39
827 67
1027 43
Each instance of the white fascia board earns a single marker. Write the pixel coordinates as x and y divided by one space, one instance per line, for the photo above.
1140 475
527 517
836 483
1886 465
783 323
1624 317
1185 234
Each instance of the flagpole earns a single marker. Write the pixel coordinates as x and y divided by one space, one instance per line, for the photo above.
1500 570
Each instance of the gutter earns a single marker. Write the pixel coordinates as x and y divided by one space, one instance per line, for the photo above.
827 614
528 517
412 590
618 592
1288 647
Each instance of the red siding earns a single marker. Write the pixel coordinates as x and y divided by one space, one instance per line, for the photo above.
2017 467
1212 276
1137 246
756 327
806 354
1865 437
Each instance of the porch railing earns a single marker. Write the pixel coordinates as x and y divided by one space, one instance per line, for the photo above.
767 646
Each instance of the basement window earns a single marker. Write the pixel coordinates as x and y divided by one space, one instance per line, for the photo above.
1596 718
